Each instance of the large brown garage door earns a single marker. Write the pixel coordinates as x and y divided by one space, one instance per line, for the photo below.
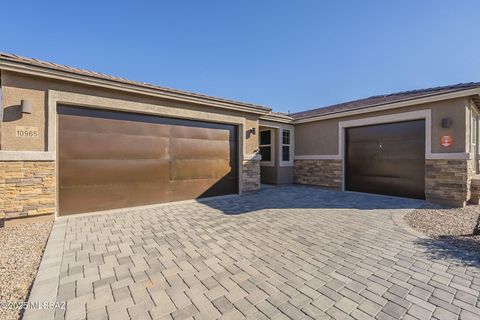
387 159
113 159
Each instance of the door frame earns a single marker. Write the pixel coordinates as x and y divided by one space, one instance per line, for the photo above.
56 98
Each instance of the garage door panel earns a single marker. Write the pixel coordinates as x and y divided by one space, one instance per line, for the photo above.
394 169
113 160
99 171
390 149
399 131
182 190
212 132
207 169
99 125
106 197
387 159
203 188
201 149
90 120
393 166
87 145
396 186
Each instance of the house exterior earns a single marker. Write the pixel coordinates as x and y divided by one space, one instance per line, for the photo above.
75 141
428 137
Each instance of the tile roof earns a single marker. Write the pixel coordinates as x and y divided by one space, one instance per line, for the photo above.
58 67
337 108
384 99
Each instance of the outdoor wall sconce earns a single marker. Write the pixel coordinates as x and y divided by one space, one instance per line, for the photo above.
26 107
251 131
446 123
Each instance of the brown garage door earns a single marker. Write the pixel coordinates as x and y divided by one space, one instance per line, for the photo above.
113 159
387 159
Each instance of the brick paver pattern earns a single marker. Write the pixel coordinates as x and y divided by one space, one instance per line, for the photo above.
290 252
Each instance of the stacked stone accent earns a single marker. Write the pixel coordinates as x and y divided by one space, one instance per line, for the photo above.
251 174
326 173
448 181
475 191
27 188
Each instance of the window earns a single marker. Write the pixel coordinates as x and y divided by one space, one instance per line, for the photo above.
285 145
266 145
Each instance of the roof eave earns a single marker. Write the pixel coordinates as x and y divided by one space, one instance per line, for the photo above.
392 105
123 86
276 118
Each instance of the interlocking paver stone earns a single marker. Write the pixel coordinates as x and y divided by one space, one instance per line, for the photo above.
346 305
288 252
443 295
185 312
394 310
222 304
291 311
268 309
337 314
419 312
442 304
245 307
467 315
466 297
399 291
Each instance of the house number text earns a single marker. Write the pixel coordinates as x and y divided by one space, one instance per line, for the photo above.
26 132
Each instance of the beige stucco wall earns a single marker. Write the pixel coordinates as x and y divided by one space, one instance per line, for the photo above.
321 137
16 86
285 175
251 142
12 117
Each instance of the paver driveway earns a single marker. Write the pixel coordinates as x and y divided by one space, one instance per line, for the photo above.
283 252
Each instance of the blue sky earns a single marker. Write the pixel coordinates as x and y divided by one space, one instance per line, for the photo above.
288 55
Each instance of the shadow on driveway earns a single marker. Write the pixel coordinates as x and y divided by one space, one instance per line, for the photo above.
307 197
462 250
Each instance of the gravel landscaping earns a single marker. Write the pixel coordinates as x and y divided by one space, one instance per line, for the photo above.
455 225
21 248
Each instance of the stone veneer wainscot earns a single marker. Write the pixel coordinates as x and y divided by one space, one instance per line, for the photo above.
448 181
251 174
326 173
27 188
475 191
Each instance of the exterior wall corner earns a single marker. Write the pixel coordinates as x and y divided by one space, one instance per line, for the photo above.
448 181
251 174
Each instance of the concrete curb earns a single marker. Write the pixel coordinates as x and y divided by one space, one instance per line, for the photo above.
45 286
398 219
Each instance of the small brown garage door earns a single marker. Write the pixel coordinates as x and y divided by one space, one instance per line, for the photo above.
387 159
111 160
